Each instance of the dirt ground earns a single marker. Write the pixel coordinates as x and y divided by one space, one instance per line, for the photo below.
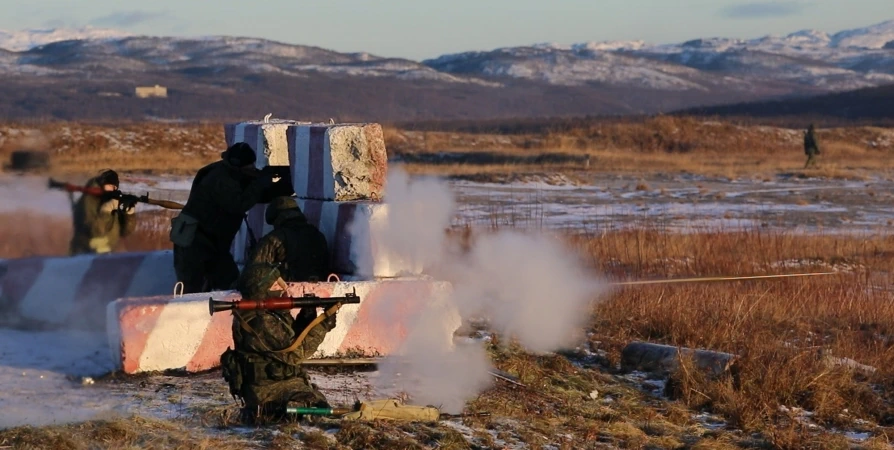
57 377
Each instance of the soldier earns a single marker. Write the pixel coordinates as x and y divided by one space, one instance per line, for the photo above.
297 246
99 222
811 147
263 370
221 194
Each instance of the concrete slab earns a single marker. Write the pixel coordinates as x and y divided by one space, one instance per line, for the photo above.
163 332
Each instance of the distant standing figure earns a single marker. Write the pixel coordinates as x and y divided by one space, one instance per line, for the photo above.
811 147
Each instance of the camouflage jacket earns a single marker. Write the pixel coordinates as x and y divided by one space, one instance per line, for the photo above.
298 246
97 231
263 332
219 198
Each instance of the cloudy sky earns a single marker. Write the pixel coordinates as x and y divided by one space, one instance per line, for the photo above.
419 29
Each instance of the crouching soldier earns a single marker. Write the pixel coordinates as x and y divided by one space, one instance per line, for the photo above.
100 221
264 369
294 244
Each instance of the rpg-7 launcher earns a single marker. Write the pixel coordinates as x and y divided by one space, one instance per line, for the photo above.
307 300
404 412
125 200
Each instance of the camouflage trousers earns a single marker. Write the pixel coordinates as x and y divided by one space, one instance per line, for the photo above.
267 402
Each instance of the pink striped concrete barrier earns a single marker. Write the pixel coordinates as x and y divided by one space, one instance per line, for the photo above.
337 162
167 333
74 291
352 253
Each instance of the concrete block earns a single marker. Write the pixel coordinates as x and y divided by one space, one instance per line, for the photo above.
74 291
357 253
268 139
165 333
338 162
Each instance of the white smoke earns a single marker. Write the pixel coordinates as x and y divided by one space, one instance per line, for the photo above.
529 287
410 234
431 370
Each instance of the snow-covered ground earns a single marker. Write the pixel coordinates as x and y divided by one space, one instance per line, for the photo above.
680 204
676 203
43 372
50 377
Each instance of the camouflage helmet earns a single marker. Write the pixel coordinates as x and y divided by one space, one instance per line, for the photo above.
280 205
256 280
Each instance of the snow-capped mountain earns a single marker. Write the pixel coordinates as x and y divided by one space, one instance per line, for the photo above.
609 77
812 59
117 55
19 41
807 60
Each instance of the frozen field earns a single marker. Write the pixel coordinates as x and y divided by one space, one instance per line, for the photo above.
50 377
679 203
46 374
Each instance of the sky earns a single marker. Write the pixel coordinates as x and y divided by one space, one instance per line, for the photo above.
420 29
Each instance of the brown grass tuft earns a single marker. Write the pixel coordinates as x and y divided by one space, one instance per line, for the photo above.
135 432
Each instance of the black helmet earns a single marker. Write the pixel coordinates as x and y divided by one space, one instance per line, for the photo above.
239 154
108 177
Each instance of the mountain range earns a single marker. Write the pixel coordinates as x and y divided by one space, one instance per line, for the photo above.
91 74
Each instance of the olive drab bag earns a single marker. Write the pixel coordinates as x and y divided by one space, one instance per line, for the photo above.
183 230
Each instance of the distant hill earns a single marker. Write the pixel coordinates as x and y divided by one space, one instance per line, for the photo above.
868 106
91 74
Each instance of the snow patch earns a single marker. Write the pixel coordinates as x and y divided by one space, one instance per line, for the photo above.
19 41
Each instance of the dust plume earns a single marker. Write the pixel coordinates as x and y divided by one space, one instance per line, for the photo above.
530 287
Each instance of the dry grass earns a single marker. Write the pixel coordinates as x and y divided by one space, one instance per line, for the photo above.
136 148
130 433
661 144
778 328
26 234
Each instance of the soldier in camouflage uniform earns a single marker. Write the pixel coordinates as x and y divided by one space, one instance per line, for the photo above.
98 221
298 247
263 370
811 146
221 195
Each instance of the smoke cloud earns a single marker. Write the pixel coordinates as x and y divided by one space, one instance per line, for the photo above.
530 287
412 231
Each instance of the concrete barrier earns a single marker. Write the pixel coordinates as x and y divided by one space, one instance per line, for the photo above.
268 139
163 333
336 162
354 250
74 291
